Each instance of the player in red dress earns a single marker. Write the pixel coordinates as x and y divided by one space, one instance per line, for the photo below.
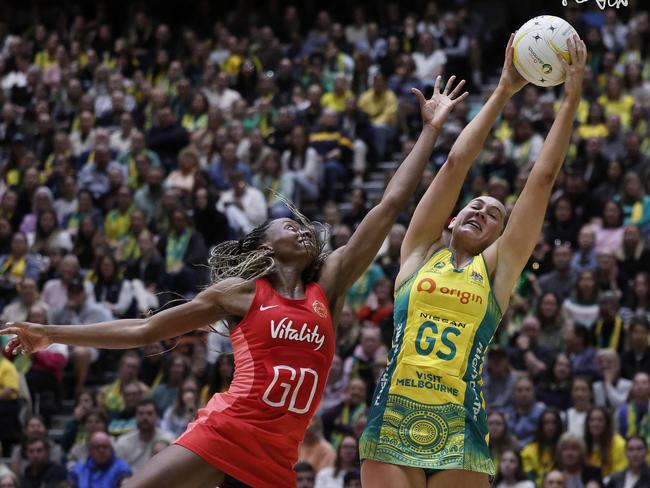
281 294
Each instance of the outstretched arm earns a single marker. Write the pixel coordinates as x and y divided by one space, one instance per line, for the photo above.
347 263
224 299
438 202
516 244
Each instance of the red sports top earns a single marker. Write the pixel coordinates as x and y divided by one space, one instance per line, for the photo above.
283 352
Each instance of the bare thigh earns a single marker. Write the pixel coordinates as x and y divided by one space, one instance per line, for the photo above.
458 479
178 467
383 475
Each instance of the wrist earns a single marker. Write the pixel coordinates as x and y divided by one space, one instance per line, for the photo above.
503 93
431 128
48 332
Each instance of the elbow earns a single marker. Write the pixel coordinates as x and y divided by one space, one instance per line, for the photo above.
391 207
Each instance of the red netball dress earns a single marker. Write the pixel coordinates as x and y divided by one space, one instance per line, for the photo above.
283 351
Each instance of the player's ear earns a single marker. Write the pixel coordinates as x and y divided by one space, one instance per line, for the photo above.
452 222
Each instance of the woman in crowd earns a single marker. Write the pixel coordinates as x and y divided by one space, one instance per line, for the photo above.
501 439
113 291
347 459
183 411
582 306
605 446
511 472
176 369
571 461
538 457
582 401
553 321
555 391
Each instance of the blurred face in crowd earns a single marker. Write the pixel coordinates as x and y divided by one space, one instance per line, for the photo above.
596 422
496 426
509 464
562 257
633 186
132 394
9 201
586 238
35 426
554 479
562 367
129 367
38 454
146 417
28 291
636 453
524 394
86 122
563 210
107 268
611 215
548 306
348 450
100 449
606 261
638 338
570 455
146 243
229 154
37 315
305 479
69 268
580 392
631 237
18 244
94 423
356 392
641 387
370 341
587 283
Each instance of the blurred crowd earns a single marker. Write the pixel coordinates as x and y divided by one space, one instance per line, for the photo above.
129 149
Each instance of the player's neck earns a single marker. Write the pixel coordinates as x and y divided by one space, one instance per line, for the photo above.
287 281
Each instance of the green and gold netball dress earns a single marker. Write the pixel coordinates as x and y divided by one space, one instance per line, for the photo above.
428 409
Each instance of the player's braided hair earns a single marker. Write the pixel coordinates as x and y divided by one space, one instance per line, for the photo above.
245 258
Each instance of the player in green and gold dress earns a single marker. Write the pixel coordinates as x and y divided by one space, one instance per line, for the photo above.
427 426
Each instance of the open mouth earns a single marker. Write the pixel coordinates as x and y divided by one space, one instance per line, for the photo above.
474 224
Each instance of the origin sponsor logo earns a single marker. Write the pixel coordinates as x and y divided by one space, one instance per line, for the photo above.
428 285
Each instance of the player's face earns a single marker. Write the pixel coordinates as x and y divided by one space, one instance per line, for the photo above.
480 223
290 240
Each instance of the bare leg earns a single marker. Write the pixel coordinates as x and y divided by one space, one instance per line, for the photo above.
383 475
459 479
178 467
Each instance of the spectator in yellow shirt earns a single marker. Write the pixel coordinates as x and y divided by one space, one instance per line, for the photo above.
605 447
337 97
380 104
615 102
595 123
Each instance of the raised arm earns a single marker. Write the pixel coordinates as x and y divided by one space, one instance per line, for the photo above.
347 263
230 297
438 202
512 250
